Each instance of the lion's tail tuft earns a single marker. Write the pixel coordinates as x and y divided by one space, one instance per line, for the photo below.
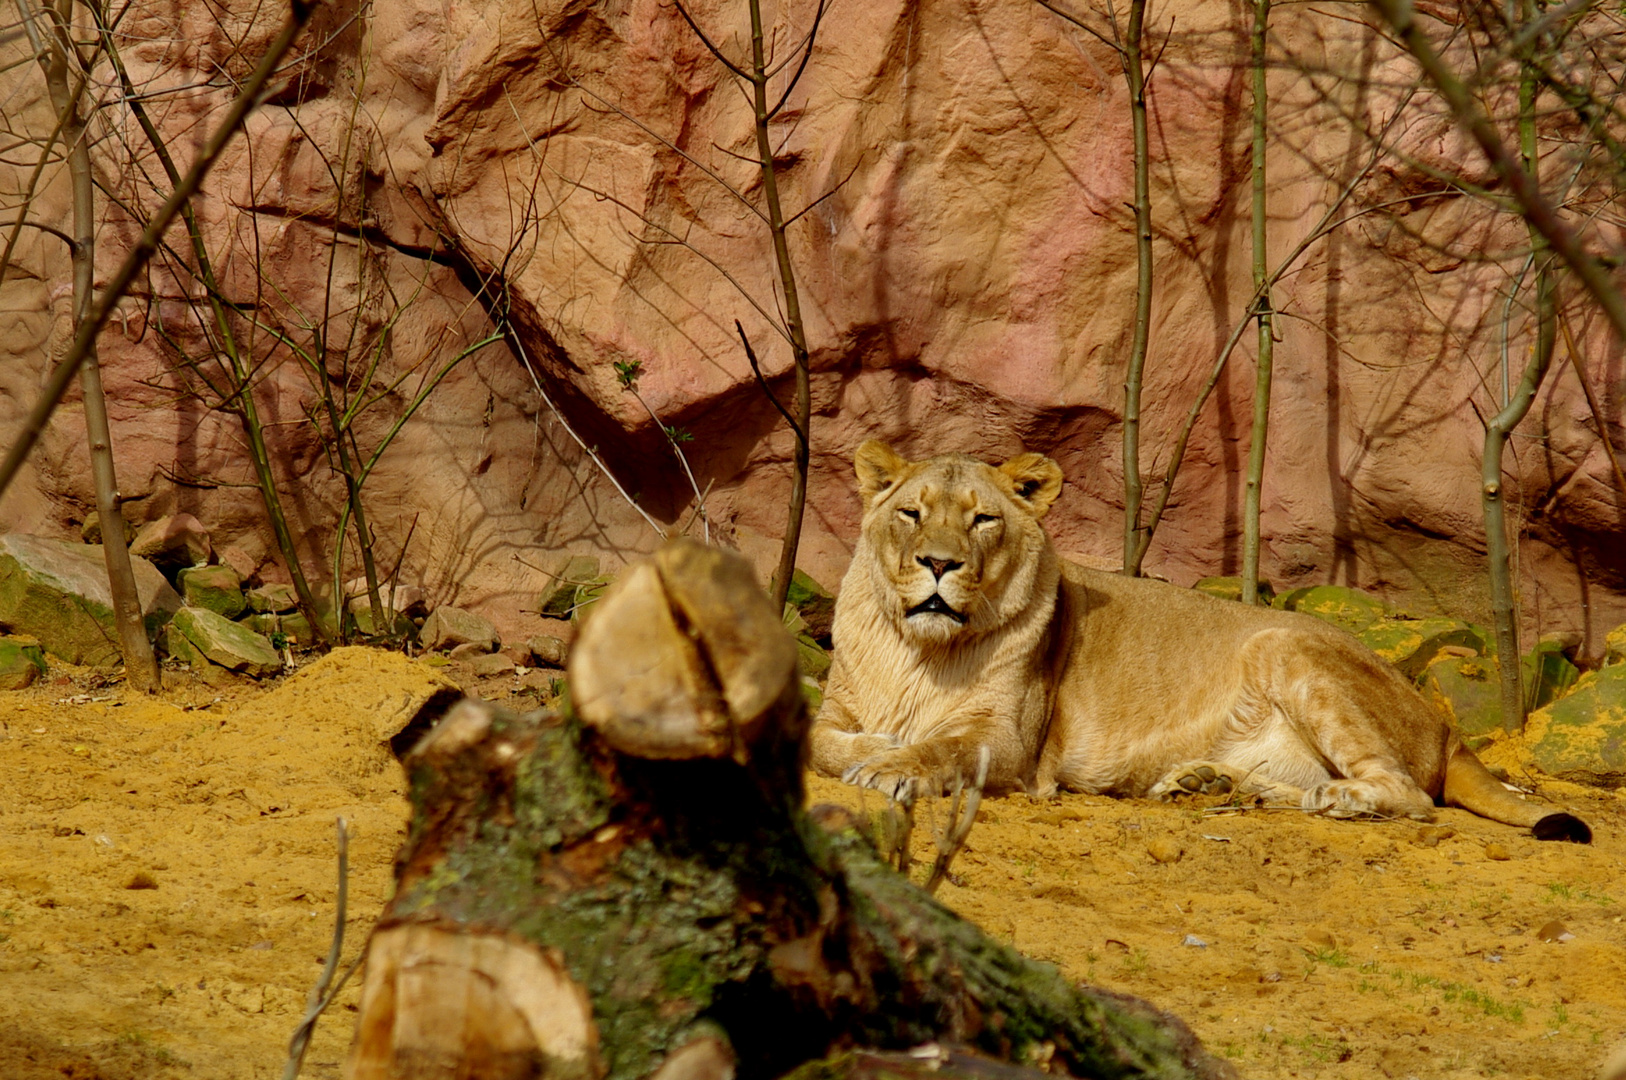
1470 785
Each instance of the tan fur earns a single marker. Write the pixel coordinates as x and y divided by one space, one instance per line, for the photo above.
1100 683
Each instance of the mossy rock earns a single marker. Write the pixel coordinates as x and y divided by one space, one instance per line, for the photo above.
1614 646
213 588
396 626
814 603
1340 605
1230 588
811 659
1548 675
589 594
1411 645
1468 690
1582 736
559 599
22 660
231 645
181 648
58 593
272 599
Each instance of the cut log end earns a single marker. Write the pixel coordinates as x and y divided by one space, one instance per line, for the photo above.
439 1003
685 658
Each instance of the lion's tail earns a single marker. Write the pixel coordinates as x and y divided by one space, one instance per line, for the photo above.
1470 785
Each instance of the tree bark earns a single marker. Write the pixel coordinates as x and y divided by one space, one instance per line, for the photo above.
632 888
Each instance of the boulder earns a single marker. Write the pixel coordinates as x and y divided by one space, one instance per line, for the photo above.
558 601
1413 644
173 542
815 604
1230 588
231 645
22 660
273 598
549 651
214 588
447 627
1582 736
58 593
1337 604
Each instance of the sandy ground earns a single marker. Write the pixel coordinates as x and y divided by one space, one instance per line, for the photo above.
167 891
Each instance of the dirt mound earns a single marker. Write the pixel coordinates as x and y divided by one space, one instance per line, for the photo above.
167 893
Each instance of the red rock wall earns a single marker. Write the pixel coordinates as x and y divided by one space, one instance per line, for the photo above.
968 281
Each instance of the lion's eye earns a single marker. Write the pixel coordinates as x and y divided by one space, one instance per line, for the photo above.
983 519
909 513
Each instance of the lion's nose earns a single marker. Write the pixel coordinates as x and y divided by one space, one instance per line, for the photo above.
938 567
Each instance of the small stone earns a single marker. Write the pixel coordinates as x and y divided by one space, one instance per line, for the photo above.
1165 850
491 664
1194 942
173 542
1497 853
1431 835
448 626
548 650
214 588
240 559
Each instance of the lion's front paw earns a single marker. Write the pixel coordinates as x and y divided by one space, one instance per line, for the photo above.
1364 798
897 774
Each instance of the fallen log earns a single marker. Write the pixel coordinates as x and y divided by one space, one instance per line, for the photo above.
630 888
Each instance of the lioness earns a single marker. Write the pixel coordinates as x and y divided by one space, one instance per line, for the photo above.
958 627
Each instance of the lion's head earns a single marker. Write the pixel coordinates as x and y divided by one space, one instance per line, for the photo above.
956 544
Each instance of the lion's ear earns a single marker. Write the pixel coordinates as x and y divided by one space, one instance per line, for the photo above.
878 467
1035 481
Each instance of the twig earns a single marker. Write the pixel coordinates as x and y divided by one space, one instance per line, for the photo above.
322 993
952 837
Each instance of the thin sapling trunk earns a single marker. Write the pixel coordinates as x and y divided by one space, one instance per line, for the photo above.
1134 74
140 663
1263 313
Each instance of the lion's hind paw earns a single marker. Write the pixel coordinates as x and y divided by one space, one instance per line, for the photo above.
1216 778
